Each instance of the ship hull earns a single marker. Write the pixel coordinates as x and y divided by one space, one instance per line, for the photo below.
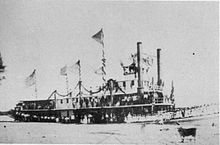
110 114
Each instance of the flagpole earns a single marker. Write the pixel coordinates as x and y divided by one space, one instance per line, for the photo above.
103 65
99 37
67 86
35 80
80 81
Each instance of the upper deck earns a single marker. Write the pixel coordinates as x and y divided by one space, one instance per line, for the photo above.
126 97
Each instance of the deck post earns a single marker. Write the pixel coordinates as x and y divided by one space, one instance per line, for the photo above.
152 108
55 98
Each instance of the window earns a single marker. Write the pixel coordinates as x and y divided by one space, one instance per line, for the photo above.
132 83
124 84
61 101
67 100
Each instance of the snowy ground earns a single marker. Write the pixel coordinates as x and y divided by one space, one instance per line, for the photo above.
134 133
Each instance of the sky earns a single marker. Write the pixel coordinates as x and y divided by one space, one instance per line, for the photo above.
48 34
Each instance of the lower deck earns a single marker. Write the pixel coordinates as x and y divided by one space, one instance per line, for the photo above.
108 114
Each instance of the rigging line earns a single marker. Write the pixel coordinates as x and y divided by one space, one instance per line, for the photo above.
67 84
93 70
63 95
121 90
118 140
76 85
81 94
85 89
143 54
103 139
92 91
77 94
90 68
148 54
51 94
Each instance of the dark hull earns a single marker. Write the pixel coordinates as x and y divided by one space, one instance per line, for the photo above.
116 114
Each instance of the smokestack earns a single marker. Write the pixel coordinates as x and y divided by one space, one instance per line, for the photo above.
140 75
158 67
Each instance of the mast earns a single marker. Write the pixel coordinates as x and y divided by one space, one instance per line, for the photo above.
64 72
55 98
35 84
80 80
140 88
74 67
99 37
67 86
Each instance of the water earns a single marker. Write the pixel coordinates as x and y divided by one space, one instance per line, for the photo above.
134 133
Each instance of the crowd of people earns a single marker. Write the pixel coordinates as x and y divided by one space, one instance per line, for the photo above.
45 104
89 102
109 101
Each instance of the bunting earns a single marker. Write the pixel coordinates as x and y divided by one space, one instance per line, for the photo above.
99 37
103 62
172 93
146 59
172 88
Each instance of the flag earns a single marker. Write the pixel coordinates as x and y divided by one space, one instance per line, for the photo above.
78 63
74 68
63 70
100 71
99 37
30 80
148 61
2 67
131 69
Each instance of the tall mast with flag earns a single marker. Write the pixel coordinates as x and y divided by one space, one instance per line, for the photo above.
99 37
80 80
31 80
73 68
172 92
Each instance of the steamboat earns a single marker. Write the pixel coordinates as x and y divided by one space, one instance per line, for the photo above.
115 101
